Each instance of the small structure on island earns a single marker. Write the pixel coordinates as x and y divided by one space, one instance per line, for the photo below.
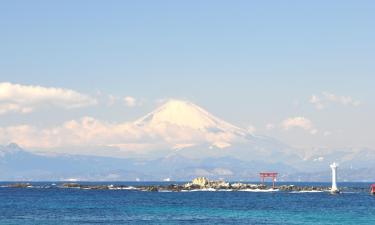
334 189
272 175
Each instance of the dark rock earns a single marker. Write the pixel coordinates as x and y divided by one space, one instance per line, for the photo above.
71 185
20 185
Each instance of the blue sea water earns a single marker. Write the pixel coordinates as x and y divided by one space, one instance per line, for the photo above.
73 206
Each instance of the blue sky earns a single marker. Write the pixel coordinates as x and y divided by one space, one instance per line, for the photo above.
251 63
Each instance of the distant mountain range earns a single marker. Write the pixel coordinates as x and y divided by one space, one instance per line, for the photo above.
192 143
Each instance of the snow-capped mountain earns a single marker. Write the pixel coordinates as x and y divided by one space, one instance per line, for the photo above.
185 124
187 114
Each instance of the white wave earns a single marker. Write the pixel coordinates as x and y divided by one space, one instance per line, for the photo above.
196 190
111 187
313 191
165 191
114 188
206 189
260 190
225 190
129 188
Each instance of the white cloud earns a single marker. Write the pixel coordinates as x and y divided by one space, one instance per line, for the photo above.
130 101
26 98
317 102
344 100
84 132
299 122
251 129
326 98
89 131
11 107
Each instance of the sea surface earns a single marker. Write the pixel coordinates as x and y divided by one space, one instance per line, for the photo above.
45 203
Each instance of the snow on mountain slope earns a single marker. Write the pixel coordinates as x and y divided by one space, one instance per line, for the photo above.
12 148
185 124
187 114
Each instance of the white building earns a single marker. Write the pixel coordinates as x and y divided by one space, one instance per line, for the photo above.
334 188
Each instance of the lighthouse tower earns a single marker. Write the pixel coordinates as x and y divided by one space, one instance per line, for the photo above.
334 189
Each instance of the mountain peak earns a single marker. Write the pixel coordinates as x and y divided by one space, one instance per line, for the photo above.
13 146
10 149
185 114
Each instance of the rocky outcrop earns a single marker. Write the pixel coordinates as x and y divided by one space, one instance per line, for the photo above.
241 186
152 188
71 185
220 185
301 188
20 185
200 181
203 182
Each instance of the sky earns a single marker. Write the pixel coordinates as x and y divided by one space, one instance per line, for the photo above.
302 72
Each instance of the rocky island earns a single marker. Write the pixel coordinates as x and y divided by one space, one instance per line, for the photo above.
197 184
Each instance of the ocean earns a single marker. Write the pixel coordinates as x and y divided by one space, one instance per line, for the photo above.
47 204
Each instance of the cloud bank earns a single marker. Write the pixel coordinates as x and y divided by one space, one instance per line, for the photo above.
130 101
19 98
299 122
89 131
323 100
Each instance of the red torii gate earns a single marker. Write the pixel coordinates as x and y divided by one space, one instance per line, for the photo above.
272 175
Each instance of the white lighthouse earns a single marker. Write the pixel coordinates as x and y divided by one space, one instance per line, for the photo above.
334 189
